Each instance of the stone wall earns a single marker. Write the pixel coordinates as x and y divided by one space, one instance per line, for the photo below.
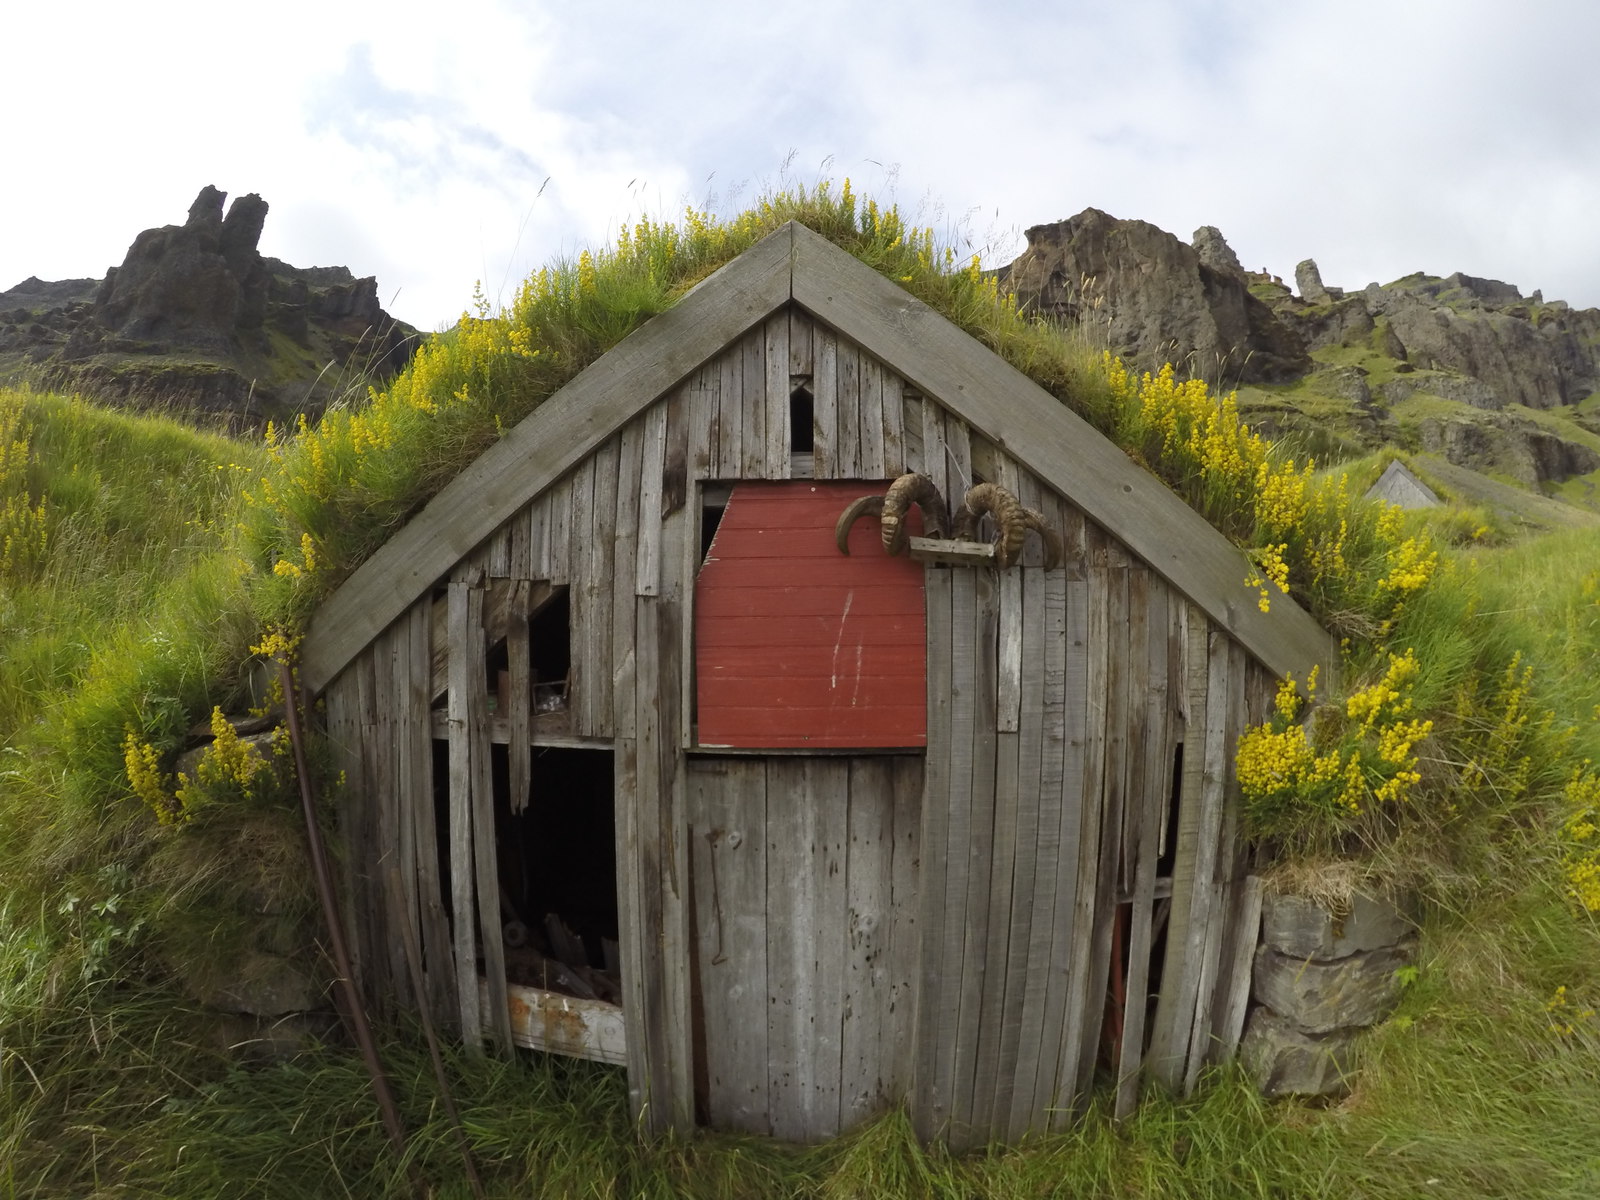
1320 978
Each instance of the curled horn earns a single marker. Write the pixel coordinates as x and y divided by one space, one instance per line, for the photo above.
866 506
912 488
909 489
1014 521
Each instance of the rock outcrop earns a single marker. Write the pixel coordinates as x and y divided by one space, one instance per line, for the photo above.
1160 300
1471 342
197 319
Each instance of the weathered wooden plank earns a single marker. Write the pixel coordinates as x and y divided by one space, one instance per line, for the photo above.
434 923
519 698
870 412
582 597
728 863
485 863
1234 997
1009 707
1026 789
825 407
498 563
560 432
623 576
899 1024
965 1115
729 447
1040 1042
1114 791
672 638
894 428
1169 1039
1086 1002
559 517
991 1089
1207 915
777 397
958 453
911 407
753 405
650 864
930 1093
1075 723
791 907
637 931
465 676
647 573
538 518
521 564
700 391
935 462
401 901
865 1039
801 334
1053 442
848 411
558 1024
1148 798
601 586
389 979
828 783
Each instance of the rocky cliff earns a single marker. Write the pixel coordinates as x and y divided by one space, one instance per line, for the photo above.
1460 366
196 319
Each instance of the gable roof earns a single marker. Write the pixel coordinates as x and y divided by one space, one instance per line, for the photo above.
945 363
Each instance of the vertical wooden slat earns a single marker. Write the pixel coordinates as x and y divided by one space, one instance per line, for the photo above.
825 407
979 840
485 861
791 906
776 332
599 587
463 877
559 517
1206 917
894 431
899 1027
935 461
728 861
864 1042
1150 596
911 409
499 556
753 405
431 901
930 1096
1038 1046
828 782
730 414
848 410
388 977
647 573
636 928
1010 667
623 576
801 334
870 411
1234 997
1024 791
1169 1040
519 707
538 518
1113 790
701 393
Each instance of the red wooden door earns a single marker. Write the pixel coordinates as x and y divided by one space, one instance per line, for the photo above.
797 645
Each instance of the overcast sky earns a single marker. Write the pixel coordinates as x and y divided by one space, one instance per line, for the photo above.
433 145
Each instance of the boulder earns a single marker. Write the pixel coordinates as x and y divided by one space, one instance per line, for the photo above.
1213 250
260 984
1309 280
1303 928
1284 1061
1319 996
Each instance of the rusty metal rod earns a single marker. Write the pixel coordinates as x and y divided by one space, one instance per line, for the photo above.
354 1012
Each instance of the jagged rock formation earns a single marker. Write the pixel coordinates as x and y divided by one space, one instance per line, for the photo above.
1476 345
1160 299
197 319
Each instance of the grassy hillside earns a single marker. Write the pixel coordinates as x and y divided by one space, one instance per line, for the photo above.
147 559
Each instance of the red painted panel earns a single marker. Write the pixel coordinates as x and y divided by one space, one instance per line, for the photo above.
798 645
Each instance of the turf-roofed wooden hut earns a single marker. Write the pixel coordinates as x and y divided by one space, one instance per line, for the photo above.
859 829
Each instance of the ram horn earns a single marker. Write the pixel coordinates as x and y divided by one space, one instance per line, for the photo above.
913 488
891 508
866 506
1013 520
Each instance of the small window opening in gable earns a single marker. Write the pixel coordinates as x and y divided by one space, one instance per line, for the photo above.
713 504
802 416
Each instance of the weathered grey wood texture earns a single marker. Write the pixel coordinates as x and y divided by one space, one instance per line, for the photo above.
1054 894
